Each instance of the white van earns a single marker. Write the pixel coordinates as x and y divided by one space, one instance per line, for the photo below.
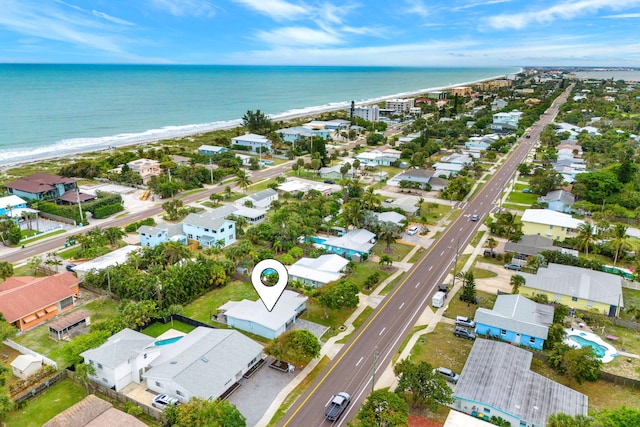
438 299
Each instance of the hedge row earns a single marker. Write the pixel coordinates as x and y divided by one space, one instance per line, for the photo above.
106 210
130 228
104 199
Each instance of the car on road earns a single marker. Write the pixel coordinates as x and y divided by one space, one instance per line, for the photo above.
474 217
443 288
336 407
329 181
70 267
448 375
465 321
413 230
515 267
161 401
461 332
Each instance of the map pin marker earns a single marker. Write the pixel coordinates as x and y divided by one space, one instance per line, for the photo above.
269 294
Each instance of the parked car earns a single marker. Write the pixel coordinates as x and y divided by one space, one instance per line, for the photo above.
489 252
474 217
161 401
515 267
413 230
449 375
526 190
461 332
70 267
329 181
337 406
465 321
443 288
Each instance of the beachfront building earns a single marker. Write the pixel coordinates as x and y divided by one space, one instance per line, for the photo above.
252 142
576 287
460 91
548 223
316 272
400 106
146 168
370 113
211 150
13 206
40 186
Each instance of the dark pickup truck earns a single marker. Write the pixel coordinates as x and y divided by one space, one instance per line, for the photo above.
337 406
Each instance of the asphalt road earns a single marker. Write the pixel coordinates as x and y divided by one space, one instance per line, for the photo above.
371 348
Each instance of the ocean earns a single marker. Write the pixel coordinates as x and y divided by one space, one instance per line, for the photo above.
54 110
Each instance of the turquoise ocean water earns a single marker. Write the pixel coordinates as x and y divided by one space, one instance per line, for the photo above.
53 110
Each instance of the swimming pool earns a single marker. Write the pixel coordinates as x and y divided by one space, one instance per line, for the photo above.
167 341
578 339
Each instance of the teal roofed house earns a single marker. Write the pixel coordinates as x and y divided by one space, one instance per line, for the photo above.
355 242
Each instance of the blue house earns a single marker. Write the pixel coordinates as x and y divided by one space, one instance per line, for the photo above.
559 201
355 242
40 185
209 229
12 206
253 142
517 320
153 236
252 316
210 150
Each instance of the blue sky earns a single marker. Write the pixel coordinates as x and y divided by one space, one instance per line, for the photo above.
328 32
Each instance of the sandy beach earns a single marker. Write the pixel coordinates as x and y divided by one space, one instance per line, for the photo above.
4 167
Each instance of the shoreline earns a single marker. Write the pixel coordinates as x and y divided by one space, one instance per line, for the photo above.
228 124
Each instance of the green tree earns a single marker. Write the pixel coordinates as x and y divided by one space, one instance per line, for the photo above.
618 417
6 270
516 282
82 374
619 239
298 346
6 405
342 294
580 364
555 335
7 330
388 232
257 122
586 236
171 207
114 234
242 179
468 287
137 314
71 350
423 383
564 420
383 408
205 413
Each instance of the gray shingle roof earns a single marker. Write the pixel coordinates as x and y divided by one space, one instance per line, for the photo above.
531 245
264 194
498 374
577 282
518 314
118 348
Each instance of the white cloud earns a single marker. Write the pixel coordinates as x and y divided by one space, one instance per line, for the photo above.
296 36
276 9
417 7
623 15
183 8
564 10
484 3
111 18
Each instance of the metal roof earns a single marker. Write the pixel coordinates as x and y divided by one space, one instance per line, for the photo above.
518 314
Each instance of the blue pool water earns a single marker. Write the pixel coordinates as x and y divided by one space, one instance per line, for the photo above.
317 239
597 348
167 341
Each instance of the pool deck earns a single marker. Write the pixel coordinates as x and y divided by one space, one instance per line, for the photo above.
171 333
610 351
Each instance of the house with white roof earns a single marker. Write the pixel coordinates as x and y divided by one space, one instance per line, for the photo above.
295 186
151 236
576 287
419 176
506 121
319 271
253 142
253 317
516 319
333 172
26 365
210 228
355 242
12 206
146 168
392 217
261 199
210 150
548 223
119 256
448 169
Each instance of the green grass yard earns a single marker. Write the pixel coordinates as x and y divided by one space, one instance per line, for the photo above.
205 306
157 329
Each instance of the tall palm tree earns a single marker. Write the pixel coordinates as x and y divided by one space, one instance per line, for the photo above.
370 200
586 235
619 239
113 234
242 179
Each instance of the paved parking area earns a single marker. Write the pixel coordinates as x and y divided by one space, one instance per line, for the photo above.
316 329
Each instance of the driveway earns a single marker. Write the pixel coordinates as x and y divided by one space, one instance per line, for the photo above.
493 284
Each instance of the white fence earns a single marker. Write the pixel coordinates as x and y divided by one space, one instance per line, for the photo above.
24 350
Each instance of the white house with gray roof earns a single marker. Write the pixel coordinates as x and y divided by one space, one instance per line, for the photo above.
151 236
122 359
392 217
319 271
497 381
261 199
517 320
205 363
252 316
253 142
210 228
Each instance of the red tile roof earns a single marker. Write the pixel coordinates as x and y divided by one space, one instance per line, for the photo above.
21 296
72 197
39 182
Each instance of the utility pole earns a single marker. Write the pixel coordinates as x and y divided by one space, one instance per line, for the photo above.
211 170
79 205
376 353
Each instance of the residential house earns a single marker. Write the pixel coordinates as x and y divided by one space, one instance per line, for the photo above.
211 228
333 172
458 159
244 160
27 301
497 381
559 201
448 169
210 150
437 183
379 157
253 142
206 363
576 287
252 215
13 206
506 121
297 134
530 246
548 223
146 168
498 104
517 320
122 359
151 236
261 199
119 256
335 124
93 412
294 187
319 271
419 176
253 316
392 217
353 243
40 186
180 160
26 365
409 138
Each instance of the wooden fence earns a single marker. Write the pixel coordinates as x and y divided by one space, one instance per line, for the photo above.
117 396
40 387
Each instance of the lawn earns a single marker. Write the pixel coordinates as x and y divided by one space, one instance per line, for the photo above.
522 198
362 270
156 329
480 273
442 348
357 323
433 212
476 238
631 298
50 403
416 256
205 306
333 318
398 250
461 308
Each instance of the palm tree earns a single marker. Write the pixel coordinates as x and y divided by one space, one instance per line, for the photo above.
174 251
517 281
586 235
83 371
242 179
619 240
388 233
386 260
113 234
370 200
